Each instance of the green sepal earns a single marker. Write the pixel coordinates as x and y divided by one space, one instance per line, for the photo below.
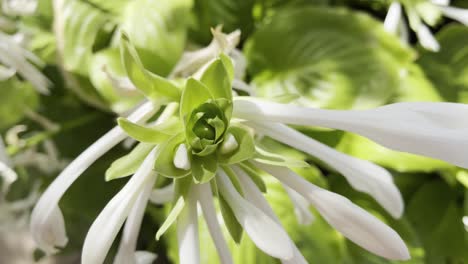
234 228
164 164
128 164
204 168
151 85
255 175
172 217
181 187
245 149
228 65
217 80
194 94
155 134
264 156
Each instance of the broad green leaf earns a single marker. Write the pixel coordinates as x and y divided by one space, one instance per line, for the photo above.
80 24
332 57
172 217
245 149
16 98
233 226
128 164
194 94
231 14
204 167
448 68
228 65
217 80
158 31
120 99
416 87
164 163
155 134
264 156
151 85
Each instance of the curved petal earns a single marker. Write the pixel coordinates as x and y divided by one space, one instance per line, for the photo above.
162 195
127 248
437 130
187 231
255 196
43 218
205 197
458 14
301 206
362 175
267 234
349 219
393 18
104 229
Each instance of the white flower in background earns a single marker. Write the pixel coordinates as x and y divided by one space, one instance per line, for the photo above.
422 14
14 57
205 137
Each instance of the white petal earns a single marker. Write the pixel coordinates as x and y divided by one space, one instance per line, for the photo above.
426 38
267 234
104 229
181 158
162 195
187 232
437 130
43 216
127 248
301 207
205 198
361 174
229 144
352 221
393 18
253 195
6 73
145 257
458 14
9 176
441 2
19 7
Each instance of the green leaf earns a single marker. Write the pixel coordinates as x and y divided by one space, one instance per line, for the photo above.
245 149
155 134
151 85
263 156
231 14
80 24
204 167
172 217
194 94
128 164
16 98
164 163
322 54
217 80
448 68
158 31
233 226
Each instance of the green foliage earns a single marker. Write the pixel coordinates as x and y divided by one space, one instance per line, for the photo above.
17 97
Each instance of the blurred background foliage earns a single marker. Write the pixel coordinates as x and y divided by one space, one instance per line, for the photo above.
332 53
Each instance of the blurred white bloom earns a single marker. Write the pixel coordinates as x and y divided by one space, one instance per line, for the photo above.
19 7
422 14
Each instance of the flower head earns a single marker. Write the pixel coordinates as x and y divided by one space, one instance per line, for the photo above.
204 141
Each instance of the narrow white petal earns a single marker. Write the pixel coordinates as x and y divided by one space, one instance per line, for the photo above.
267 234
352 221
458 14
253 195
441 2
205 197
127 248
187 232
229 144
393 18
181 158
301 207
43 216
9 176
426 38
104 229
162 195
361 174
145 257
437 130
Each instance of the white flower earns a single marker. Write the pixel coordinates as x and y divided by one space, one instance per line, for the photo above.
420 14
19 7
